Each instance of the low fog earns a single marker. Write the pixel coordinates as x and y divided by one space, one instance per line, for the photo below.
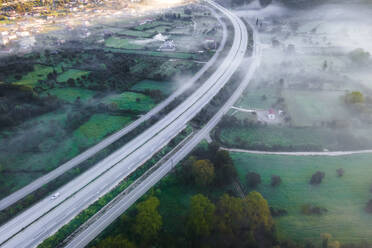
314 58
73 86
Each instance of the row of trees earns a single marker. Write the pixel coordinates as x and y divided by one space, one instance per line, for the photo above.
19 103
254 179
214 168
230 222
226 221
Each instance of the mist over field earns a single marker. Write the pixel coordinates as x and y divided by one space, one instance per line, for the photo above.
324 50
312 93
84 80
132 103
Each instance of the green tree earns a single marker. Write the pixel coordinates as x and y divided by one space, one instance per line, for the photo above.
325 239
359 56
113 106
325 65
275 180
253 179
257 211
184 173
71 82
354 97
117 241
148 220
203 172
224 168
229 215
201 216
334 244
244 222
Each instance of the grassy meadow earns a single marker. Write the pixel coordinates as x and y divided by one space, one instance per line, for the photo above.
345 197
135 33
294 138
151 25
71 73
49 146
70 94
165 87
261 98
308 107
31 79
97 127
120 43
131 101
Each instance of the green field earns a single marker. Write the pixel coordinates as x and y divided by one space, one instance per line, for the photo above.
50 146
176 55
289 138
345 198
253 98
31 79
165 87
116 42
97 127
135 33
241 116
151 25
59 116
161 29
308 107
24 167
70 94
71 73
128 101
44 133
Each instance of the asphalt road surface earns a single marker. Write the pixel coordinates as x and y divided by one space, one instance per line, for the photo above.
44 218
88 234
38 183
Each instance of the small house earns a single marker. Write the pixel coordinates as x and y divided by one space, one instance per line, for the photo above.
271 114
167 46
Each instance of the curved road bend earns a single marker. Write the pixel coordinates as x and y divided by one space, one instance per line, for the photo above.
44 218
21 193
87 235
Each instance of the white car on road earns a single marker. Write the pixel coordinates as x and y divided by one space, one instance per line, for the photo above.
55 195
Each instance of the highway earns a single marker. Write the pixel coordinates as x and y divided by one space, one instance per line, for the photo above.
94 229
38 183
44 218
